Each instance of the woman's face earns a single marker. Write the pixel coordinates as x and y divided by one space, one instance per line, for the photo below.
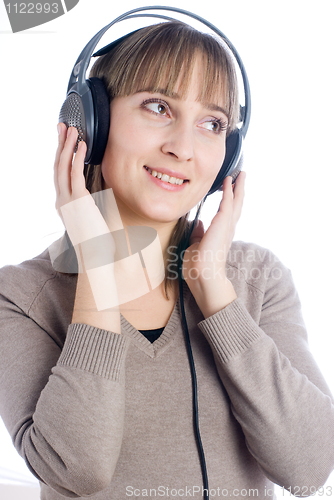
153 135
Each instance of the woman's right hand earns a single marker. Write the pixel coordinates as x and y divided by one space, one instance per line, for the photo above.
96 288
75 205
68 171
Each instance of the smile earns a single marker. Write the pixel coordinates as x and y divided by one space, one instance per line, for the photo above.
165 177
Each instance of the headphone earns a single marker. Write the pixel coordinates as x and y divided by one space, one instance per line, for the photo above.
87 103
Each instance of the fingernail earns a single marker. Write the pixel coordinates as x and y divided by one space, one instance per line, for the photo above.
59 128
69 130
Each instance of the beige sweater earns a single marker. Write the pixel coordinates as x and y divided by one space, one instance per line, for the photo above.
109 416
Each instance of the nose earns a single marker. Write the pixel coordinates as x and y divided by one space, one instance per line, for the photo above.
179 143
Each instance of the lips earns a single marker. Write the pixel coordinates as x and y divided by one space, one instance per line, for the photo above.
164 183
167 176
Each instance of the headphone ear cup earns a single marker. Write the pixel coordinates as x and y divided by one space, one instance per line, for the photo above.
73 115
101 125
89 113
231 161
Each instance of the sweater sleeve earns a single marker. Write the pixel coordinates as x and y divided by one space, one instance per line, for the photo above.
63 406
277 393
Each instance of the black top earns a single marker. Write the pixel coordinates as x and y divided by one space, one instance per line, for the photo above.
152 335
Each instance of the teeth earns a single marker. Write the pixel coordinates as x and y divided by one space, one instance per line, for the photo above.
165 177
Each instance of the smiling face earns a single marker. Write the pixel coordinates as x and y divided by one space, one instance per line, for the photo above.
164 151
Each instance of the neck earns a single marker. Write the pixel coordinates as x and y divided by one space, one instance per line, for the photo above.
163 229
151 238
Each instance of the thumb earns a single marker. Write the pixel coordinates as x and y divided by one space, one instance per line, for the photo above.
197 233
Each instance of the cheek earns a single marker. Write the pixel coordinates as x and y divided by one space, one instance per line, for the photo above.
111 162
127 140
213 161
117 150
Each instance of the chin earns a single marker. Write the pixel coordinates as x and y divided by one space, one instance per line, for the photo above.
162 216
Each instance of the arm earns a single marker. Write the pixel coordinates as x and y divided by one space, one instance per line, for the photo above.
96 289
63 408
64 404
277 392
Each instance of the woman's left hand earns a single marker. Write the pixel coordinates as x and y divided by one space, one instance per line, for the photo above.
204 262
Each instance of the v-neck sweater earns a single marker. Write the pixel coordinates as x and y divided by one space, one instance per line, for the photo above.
109 416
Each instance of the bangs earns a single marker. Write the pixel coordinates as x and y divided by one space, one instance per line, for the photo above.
163 56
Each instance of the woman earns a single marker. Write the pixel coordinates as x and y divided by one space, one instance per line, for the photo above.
94 404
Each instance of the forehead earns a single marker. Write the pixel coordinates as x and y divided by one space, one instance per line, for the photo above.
194 78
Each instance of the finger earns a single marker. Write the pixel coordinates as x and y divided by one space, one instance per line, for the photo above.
239 194
218 234
61 127
77 173
226 204
221 231
65 162
239 185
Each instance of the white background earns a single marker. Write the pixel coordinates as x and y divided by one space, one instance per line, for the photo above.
287 48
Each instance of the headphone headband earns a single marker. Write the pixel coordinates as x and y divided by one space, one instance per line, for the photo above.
78 75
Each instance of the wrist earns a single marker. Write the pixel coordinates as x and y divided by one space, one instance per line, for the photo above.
215 299
86 311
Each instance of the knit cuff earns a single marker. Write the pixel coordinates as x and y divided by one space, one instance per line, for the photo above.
94 350
231 331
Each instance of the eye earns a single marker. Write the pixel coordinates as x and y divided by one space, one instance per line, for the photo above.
156 106
216 125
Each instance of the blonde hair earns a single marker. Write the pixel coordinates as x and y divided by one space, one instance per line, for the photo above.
153 58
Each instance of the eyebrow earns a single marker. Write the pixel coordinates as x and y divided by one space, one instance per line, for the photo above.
174 95
214 107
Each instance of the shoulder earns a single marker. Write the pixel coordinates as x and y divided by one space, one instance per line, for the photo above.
255 265
23 281
247 252
35 297
260 279
35 283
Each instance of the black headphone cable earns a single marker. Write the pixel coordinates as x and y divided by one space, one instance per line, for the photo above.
193 372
